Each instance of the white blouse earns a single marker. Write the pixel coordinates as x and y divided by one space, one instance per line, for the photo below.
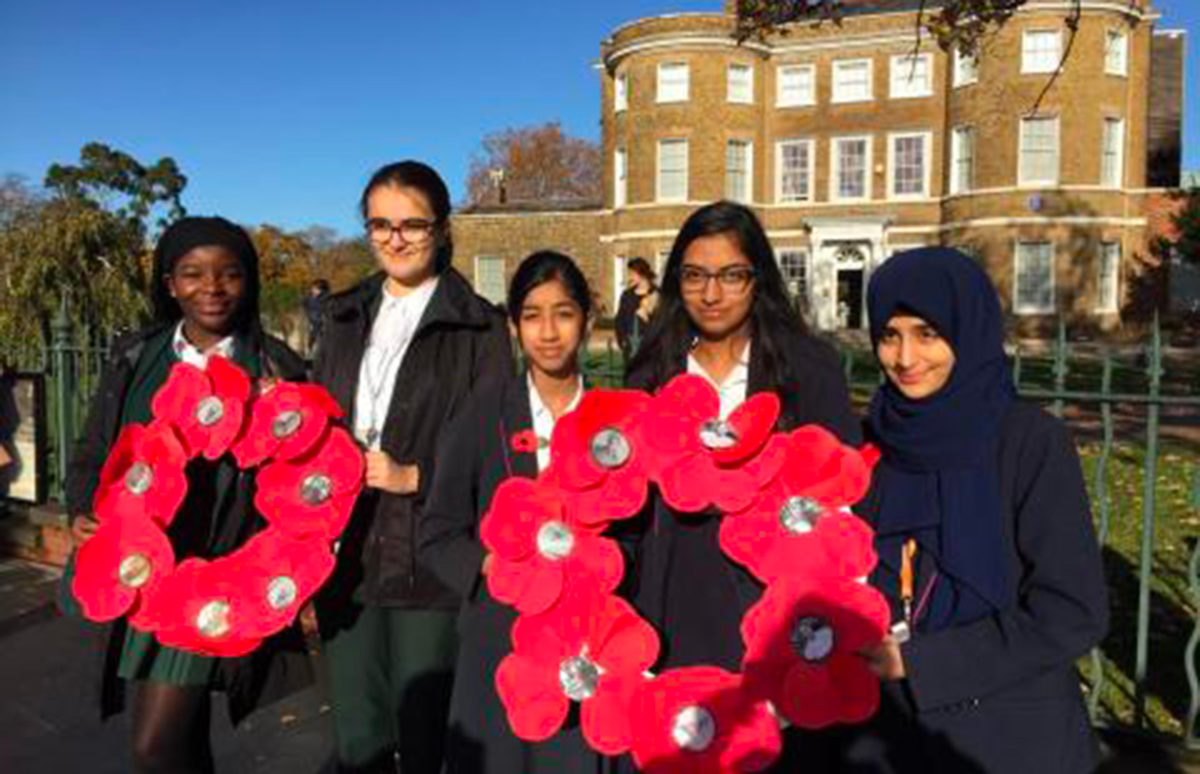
543 419
190 353
732 391
391 334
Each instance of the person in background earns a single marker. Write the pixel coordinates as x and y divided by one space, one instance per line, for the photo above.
985 538
313 302
400 351
636 306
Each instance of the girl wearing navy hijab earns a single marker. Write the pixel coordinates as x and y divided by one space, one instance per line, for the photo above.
984 532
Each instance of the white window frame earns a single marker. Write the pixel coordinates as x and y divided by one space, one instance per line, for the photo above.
1108 287
621 92
811 145
479 288
835 167
1018 256
1030 65
806 275
1117 179
685 90
901 87
957 184
730 82
748 145
620 178
781 98
840 98
619 269
966 68
926 158
1030 182
1116 60
658 170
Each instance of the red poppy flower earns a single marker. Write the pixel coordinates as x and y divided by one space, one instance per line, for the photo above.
144 474
278 576
524 442
801 518
701 460
287 420
314 493
125 559
593 648
201 608
599 456
207 407
540 549
699 720
802 638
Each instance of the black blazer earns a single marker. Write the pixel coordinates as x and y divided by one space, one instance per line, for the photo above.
280 666
460 344
1001 694
683 584
475 456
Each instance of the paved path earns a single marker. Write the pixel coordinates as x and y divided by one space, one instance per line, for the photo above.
50 724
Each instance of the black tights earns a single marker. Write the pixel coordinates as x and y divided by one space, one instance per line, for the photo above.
170 729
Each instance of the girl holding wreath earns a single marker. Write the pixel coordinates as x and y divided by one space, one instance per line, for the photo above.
505 433
205 294
723 314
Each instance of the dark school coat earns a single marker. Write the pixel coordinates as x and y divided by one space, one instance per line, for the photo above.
1001 694
460 343
684 584
475 456
281 665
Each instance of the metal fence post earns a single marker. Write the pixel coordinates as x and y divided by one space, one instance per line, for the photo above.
1189 653
1060 365
1102 499
1146 563
61 363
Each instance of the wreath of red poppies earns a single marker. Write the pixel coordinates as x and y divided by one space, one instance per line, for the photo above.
785 501
309 473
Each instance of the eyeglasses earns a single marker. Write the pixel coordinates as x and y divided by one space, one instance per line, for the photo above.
413 231
735 279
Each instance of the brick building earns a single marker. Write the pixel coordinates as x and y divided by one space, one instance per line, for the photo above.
852 143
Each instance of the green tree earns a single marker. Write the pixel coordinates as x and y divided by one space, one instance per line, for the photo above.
1186 221
115 181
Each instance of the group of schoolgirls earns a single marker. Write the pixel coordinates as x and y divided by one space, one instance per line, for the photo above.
977 502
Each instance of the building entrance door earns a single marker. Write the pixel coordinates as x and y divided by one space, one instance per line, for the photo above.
850 260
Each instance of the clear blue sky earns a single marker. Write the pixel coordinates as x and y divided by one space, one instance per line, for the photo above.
277 111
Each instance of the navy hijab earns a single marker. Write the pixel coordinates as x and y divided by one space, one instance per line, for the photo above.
937 479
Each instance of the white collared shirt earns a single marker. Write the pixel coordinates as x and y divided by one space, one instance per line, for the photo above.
190 353
391 334
543 419
732 391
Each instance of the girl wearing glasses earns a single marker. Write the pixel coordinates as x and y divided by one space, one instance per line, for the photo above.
984 536
725 315
400 352
504 433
